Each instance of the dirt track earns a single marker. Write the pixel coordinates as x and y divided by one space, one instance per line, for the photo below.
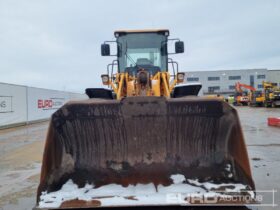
21 152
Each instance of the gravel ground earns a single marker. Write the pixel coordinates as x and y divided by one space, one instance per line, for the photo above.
21 154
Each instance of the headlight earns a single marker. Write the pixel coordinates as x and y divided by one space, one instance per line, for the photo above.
105 79
180 77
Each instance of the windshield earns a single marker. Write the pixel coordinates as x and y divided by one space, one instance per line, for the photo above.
141 49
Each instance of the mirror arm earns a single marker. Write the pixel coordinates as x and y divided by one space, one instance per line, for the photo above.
109 42
175 39
105 42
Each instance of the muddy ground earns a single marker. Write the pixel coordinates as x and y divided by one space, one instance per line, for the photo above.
21 154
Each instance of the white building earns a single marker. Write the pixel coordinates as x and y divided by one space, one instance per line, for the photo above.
223 81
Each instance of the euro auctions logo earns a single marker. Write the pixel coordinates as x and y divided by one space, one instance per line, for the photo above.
51 103
224 198
44 104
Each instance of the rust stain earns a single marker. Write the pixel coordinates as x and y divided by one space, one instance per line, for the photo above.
131 198
80 204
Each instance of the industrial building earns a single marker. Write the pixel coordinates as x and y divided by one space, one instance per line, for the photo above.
223 81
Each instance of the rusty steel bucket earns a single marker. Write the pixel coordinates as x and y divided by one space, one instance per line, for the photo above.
121 150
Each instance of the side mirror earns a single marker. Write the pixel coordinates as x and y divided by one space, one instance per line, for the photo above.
179 47
105 49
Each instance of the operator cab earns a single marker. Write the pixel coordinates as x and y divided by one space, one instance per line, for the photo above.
142 59
145 49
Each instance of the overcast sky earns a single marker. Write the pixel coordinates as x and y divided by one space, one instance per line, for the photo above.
56 44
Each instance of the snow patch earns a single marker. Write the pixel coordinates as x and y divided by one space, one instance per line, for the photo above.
178 178
212 186
228 167
142 194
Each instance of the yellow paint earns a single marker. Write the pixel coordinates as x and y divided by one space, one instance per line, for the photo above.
120 87
158 85
130 88
165 85
142 31
113 86
173 84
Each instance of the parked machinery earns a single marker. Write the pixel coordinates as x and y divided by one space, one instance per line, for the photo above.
241 97
230 99
253 98
256 98
271 94
216 96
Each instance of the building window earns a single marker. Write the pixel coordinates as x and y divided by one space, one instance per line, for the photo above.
234 77
192 79
260 86
212 89
262 76
213 78
231 87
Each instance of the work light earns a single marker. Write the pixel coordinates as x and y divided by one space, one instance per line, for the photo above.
180 77
105 79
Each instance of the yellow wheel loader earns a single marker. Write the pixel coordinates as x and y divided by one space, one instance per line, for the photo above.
146 140
256 98
271 94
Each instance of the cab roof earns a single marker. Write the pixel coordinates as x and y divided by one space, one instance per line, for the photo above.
141 31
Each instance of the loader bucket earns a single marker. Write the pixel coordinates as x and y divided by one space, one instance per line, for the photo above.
141 151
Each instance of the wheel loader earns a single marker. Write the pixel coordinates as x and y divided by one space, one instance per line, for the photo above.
146 140
271 94
253 98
